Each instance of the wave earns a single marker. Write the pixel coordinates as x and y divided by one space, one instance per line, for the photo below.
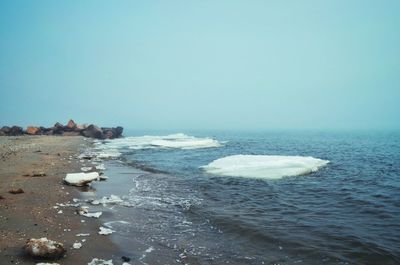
175 141
264 166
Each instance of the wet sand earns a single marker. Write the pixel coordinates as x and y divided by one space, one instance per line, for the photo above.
32 214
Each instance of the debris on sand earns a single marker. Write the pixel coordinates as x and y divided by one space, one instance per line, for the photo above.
47 263
1 197
97 261
105 231
81 179
44 248
16 191
38 174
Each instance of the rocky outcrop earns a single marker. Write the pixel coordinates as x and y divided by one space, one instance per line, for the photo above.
71 129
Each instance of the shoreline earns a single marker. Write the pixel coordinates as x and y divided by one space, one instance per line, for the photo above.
34 213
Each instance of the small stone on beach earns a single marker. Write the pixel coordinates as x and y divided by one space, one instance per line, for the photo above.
16 191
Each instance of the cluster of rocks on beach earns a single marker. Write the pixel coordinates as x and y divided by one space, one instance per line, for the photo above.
71 129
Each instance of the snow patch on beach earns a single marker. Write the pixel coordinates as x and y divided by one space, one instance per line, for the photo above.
97 261
264 166
175 141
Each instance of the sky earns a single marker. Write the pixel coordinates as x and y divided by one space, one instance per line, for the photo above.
232 65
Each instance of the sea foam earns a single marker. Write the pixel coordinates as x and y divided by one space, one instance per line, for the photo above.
264 166
177 141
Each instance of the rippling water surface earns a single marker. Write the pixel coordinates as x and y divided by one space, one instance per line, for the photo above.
347 212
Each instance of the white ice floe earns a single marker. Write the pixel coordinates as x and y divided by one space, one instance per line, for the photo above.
77 245
113 199
60 211
177 141
81 179
264 166
84 169
105 231
101 167
83 234
97 261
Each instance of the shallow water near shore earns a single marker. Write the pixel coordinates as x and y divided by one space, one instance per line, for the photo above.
174 212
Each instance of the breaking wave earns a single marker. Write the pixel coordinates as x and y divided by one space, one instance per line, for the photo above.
264 166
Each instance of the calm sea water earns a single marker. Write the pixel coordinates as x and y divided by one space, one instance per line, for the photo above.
348 212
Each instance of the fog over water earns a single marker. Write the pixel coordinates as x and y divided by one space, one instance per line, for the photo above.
201 64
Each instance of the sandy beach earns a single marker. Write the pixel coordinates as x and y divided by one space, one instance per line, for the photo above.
37 165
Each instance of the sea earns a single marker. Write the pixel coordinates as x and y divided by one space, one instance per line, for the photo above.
267 197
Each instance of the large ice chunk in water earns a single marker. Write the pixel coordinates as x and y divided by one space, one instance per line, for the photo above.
264 166
177 141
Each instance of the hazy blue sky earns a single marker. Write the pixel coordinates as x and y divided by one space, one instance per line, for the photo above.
201 64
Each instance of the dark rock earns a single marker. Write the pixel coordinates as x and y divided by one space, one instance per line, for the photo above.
1 197
48 132
5 129
38 174
58 128
93 131
71 134
15 131
16 191
71 124
32 130
125 259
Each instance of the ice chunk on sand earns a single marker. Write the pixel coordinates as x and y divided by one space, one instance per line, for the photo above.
83 234
101 167
105 231
77 245
44 248
84 169
113 199
97 261
81 179
84 210
264 166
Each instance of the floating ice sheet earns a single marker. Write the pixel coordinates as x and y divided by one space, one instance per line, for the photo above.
177 141
264 166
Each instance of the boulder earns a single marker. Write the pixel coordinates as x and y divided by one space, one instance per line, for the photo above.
58 128
119 131
32 130
16 130
2 133
71 124
44 248
93 131
81 127
5 130
71 134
